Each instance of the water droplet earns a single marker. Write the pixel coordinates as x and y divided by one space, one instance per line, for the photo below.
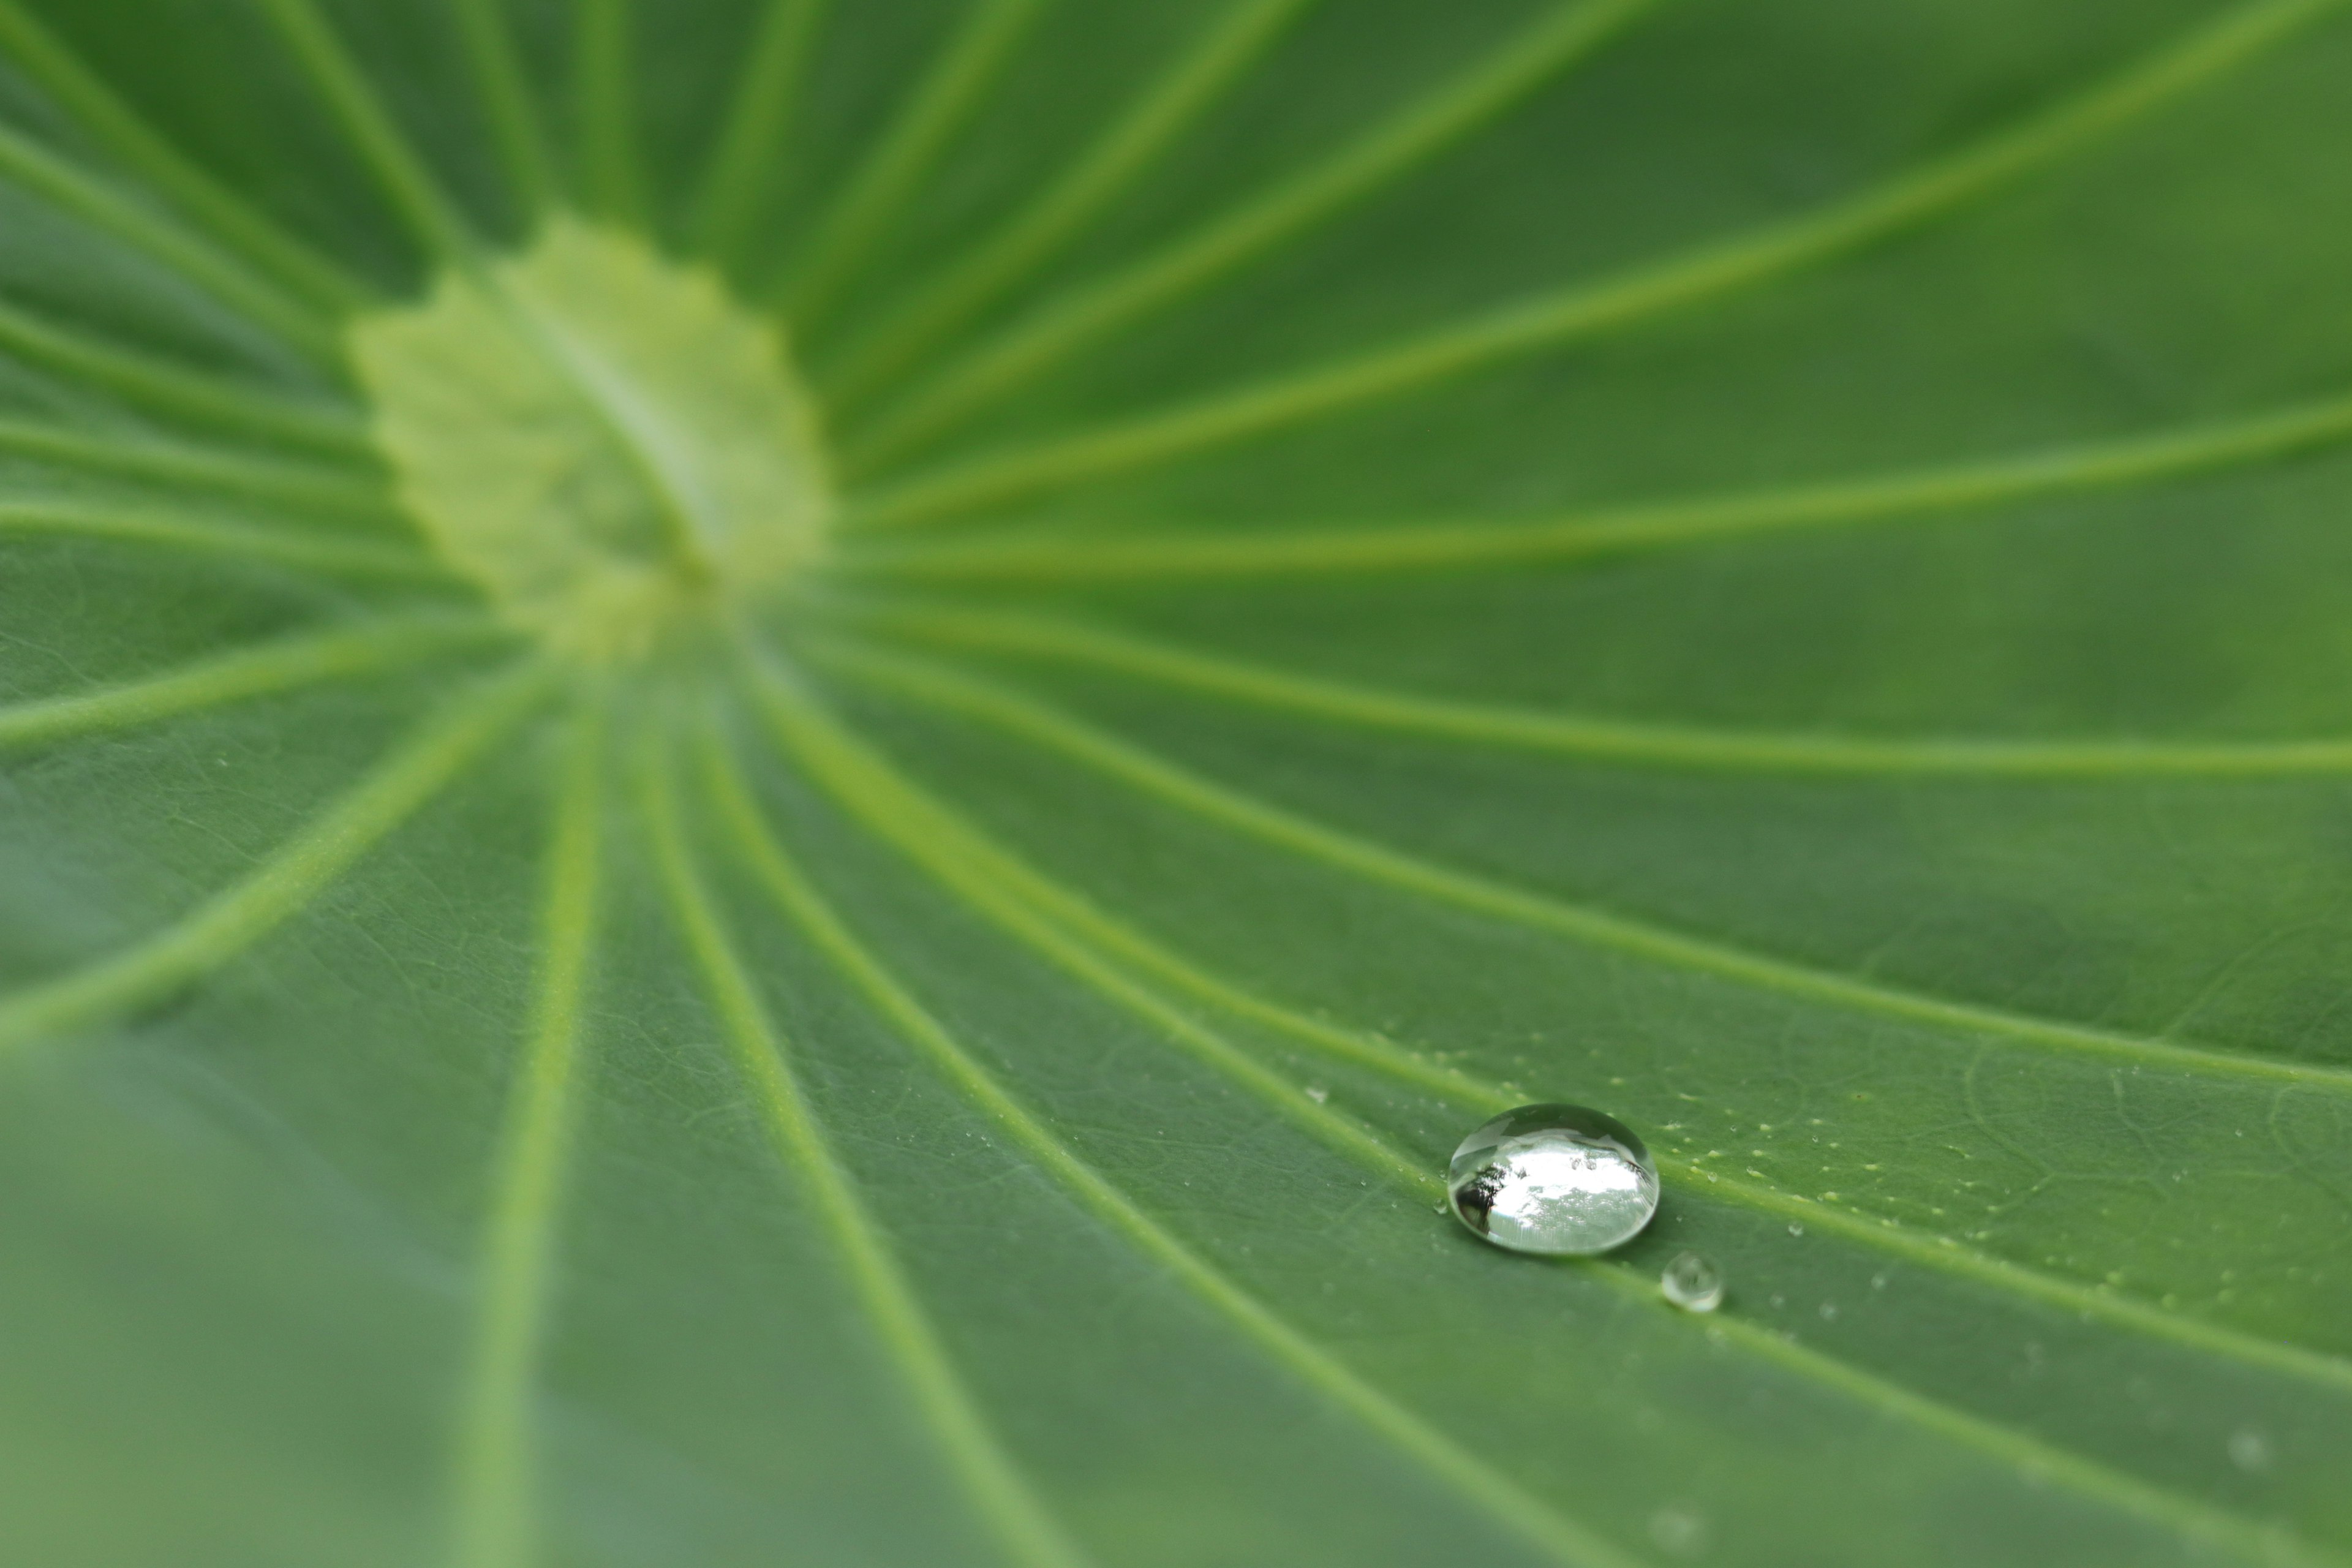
1692 1283
1796 1229
1317 1094
1554 1179
2250 1450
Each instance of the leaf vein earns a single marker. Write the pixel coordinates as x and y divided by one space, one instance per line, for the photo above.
283 885
1549 320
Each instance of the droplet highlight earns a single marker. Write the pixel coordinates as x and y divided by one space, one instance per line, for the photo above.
1692 1283
1554 1179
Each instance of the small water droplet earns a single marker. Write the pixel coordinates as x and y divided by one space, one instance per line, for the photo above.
1692 1283
2249 1450
1554 1179
1796 1229
1317 1093
1829 1311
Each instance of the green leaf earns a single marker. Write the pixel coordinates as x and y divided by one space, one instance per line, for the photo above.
776 775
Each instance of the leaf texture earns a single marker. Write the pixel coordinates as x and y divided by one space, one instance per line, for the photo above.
1776 571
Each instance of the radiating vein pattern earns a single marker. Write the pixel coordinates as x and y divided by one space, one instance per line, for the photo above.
495 66
155 385
742 164
1290 830
998 1490
302 486
201 536
225 925
71 189
1156 557
1925 824
1645 744
888 179
1065 926
798 727
1383 153
1552 319
496 1518
1227 48
372 648
863 783
1561 1539
116 124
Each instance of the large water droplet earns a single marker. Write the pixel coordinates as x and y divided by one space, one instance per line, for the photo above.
1692 1283
1554 1179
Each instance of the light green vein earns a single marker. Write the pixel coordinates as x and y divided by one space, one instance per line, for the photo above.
605 109
1558 315
202 535
873 792
305 487
211 401
1392 149
283 885
1188 792
368 648
495 1515
1227 46
258 297
1604 740
514 119
986 1470
884 181
2265 1543
856 790
1475 1478
1948 1256
935 835
2081 469
380 143
751 149
997 881
115 126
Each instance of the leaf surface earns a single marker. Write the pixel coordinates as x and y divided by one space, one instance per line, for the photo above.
1775 571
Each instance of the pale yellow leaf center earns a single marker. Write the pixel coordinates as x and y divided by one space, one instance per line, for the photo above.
604 440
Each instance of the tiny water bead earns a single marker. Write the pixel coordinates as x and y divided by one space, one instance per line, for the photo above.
1692 1283
1556 1179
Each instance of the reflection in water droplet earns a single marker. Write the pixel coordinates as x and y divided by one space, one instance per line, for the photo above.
1692 1283
1318 1094
2250 1450
1554 1179
1796 1229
